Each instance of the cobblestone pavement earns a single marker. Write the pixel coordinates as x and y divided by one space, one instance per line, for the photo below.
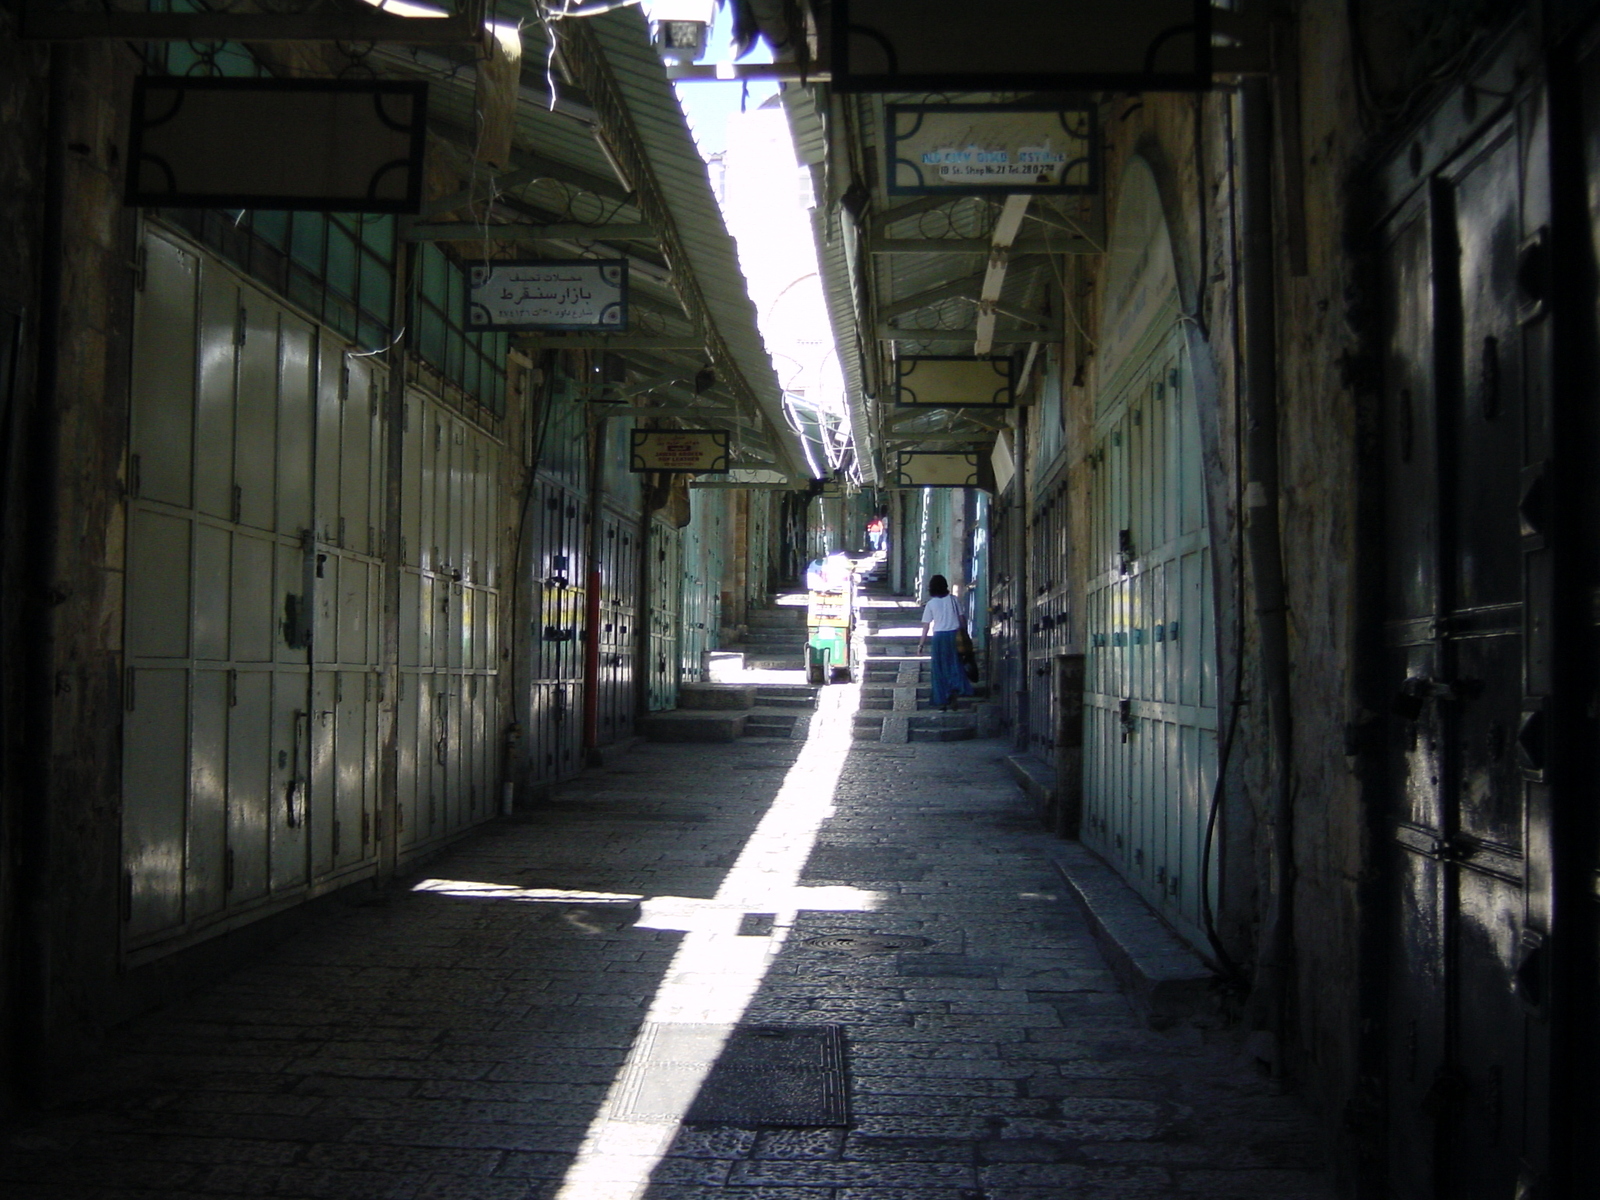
480 1032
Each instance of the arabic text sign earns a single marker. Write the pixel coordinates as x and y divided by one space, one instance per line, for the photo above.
582 293
991 147
681 451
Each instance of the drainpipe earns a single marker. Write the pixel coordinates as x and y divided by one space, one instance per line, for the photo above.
1264 551
591 600
36 626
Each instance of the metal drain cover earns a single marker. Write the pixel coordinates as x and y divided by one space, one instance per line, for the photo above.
748 1075
867 943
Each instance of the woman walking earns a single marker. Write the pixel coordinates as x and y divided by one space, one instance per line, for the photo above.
941 617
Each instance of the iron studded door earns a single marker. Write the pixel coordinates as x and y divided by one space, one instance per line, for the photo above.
1466 440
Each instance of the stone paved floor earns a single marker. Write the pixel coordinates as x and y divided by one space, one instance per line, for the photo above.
472 1039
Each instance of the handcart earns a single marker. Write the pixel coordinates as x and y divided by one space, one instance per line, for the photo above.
830 629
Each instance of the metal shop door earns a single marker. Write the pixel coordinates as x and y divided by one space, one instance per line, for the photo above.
702 584
1150 737
450 545
1467 673
666 597
255 481
556 701
619 571
1050 631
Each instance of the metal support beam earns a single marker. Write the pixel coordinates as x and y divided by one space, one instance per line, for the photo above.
684 410
1065 244
895 333
348 26
878 223
611 341
466 231
538 165
770 72
994 278
963 288
978 441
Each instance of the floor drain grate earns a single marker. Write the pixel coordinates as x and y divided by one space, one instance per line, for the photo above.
867 943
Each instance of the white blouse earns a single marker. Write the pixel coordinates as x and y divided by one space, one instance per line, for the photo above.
943 613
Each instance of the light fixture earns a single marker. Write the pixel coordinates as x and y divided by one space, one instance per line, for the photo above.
678 28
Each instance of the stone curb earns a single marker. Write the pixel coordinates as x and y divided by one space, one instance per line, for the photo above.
1165 979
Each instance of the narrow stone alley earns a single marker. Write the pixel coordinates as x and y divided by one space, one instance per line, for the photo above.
781 969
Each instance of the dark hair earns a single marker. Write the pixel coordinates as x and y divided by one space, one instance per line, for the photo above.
938 586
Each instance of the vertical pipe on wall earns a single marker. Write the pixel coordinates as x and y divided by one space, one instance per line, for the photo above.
35 732
1021 595
591 599
1263 546
388 824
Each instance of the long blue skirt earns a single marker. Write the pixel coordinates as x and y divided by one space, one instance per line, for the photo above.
948 677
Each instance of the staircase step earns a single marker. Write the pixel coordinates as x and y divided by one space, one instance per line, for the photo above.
715 696
680 725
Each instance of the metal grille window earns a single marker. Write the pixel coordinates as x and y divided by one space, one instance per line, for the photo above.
337 267
476 362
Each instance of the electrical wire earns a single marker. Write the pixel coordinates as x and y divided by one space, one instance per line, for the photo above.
1230 966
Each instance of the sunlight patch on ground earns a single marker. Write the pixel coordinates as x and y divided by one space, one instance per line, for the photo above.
716 971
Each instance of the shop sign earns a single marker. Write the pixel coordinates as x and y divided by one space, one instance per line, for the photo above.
1020 45
953 381
979 148
679 451
318 145
548 295
931 468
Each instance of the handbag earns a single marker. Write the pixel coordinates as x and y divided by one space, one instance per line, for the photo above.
965 654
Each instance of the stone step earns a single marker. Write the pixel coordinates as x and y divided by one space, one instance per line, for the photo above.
776 618
703 697
798 703
919 732
681 725
770 724
773 637
800 691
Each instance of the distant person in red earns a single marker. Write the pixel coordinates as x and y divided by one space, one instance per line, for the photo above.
875 530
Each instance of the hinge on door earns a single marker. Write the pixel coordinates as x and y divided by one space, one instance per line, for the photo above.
367 682
140 265
338 687
233 689
336 837
134 476
238 503
227 871
241 325
126 898
341 531
127 688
